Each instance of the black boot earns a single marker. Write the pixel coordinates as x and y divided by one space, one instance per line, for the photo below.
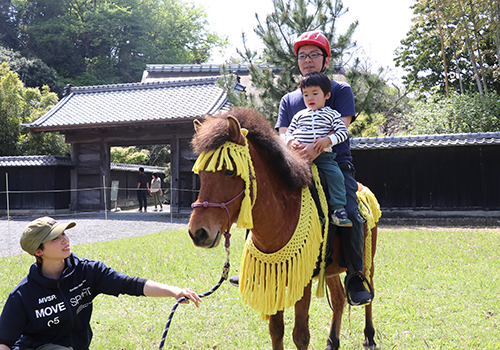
235 280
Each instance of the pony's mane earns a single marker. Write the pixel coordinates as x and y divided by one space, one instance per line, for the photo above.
294 171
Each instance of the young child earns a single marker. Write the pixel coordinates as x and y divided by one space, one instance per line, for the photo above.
315 125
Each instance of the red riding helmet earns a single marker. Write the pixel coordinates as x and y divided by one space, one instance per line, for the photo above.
312 38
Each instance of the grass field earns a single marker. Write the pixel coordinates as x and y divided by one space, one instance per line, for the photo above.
435 288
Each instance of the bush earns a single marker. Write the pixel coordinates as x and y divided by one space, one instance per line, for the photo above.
467 113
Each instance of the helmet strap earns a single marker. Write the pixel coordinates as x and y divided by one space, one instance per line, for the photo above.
324 60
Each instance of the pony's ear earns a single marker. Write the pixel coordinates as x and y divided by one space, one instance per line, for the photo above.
234 128
197 125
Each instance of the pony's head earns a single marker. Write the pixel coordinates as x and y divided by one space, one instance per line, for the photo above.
228 186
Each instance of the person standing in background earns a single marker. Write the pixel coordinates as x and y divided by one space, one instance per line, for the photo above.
156 191
142 190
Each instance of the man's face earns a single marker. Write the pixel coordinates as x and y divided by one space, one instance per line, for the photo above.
308 65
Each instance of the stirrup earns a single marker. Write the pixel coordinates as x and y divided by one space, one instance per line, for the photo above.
364 280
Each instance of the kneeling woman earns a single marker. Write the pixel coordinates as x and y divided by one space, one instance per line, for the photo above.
50 309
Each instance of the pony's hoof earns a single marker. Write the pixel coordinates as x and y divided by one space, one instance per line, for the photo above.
369 344
333 345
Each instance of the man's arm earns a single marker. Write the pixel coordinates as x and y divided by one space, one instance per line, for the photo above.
347 120
4 347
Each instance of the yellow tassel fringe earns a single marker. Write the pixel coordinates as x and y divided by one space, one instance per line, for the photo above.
273 282
233 157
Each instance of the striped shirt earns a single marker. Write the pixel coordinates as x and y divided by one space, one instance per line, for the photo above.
308 125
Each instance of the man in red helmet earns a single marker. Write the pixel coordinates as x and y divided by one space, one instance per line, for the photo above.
313 55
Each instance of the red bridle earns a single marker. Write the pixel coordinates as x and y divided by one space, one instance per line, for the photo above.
205 204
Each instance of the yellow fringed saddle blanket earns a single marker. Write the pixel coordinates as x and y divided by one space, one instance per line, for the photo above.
273 282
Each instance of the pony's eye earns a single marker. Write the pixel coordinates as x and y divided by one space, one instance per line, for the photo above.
229 172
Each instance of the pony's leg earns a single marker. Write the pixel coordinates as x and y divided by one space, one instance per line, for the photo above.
277 330
337 297
369 329
301 335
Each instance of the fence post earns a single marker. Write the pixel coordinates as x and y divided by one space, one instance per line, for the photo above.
105 204
8 207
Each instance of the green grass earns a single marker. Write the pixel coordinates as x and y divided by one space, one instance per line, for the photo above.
435 289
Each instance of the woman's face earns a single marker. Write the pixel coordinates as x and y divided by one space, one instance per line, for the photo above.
58 248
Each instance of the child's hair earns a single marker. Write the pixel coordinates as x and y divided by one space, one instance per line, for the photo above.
316 79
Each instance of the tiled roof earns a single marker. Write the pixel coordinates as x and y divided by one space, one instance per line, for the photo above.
106 105
472 139
241 69
203 68
135 168
24 161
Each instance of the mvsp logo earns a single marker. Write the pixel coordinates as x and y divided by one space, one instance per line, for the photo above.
47 299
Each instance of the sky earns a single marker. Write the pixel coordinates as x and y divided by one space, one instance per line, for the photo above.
382 24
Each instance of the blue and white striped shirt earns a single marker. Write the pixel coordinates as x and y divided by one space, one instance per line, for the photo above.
308 125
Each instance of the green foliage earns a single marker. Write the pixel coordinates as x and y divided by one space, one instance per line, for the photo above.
155 155
466 113
367 125
470 32
159 155
375 101
104 42
20 105
33 72
227 82
129 155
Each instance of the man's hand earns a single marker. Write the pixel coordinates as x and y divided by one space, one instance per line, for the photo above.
321 143
309 153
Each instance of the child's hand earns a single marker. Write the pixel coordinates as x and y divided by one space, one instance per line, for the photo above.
320 144
294 144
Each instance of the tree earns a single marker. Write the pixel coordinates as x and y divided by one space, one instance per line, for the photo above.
460 113
468 31
129 155
375 100
21 105
33 72
93 42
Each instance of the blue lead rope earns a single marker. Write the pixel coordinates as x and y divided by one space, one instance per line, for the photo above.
225 274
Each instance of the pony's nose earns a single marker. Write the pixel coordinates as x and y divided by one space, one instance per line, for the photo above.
199 237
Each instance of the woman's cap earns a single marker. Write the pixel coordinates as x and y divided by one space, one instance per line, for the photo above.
40 231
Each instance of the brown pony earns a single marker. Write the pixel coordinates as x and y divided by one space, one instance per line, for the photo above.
280 175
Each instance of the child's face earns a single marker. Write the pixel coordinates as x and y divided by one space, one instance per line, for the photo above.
314 97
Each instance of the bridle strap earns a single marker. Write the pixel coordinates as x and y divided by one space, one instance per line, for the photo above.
206 204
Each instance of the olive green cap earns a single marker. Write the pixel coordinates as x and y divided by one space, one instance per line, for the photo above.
40 231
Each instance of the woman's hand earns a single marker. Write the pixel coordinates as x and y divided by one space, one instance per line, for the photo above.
190 295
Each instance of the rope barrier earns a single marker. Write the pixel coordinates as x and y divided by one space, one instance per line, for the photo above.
89 189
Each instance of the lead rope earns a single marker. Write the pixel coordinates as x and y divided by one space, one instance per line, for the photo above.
224 276
225 269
